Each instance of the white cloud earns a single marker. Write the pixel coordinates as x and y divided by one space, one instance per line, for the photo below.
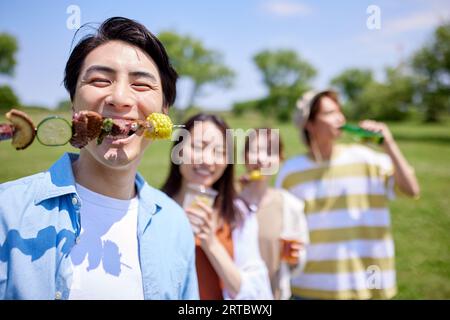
286 8
416 21
403 34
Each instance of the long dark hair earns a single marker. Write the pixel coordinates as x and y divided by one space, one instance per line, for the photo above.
224 185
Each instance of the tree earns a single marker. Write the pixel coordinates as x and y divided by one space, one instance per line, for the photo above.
286 76
64 105
284 69
352 82
8 99
389 100
432 64
193 61
8 49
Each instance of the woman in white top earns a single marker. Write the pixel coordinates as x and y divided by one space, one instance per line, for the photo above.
280 215
228 261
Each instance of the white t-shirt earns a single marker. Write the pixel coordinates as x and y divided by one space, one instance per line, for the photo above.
105 259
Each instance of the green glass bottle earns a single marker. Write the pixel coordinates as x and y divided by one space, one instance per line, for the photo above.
362 134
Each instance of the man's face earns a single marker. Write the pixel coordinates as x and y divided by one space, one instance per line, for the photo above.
121 81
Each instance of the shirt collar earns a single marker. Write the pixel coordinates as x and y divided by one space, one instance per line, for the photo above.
146 195
59 180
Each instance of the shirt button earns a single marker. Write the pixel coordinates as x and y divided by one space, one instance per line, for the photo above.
58 295
74 201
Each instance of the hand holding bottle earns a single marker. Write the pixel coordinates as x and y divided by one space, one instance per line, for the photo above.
370 131
378 127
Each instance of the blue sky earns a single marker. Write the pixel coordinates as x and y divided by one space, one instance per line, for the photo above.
331 35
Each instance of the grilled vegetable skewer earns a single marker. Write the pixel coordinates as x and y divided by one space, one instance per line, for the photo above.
21 130
86 126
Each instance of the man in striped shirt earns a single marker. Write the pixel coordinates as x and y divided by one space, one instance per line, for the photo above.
346 189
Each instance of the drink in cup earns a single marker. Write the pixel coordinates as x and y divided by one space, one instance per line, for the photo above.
287 250
198 193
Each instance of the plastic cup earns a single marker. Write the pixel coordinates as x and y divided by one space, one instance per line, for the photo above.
199 193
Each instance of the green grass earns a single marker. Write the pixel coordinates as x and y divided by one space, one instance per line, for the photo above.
421 227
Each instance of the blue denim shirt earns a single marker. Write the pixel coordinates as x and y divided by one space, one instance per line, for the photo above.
40 224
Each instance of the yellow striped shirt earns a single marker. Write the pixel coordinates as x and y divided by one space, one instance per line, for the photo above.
351 250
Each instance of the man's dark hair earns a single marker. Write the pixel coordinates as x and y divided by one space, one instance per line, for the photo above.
129 31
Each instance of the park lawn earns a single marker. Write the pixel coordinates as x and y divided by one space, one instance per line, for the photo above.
421 227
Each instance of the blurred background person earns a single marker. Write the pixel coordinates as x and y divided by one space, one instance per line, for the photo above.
346 189
281 220
228 261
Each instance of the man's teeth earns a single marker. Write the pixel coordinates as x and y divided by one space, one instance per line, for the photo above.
117 137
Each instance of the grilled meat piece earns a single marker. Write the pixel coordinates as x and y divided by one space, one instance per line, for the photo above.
86 126
89 125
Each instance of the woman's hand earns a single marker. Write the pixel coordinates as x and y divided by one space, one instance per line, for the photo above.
404 175
203 219
295 253
291 253
380 127
244 180
203 223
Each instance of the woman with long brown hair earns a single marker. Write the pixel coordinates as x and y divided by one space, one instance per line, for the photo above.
228 261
